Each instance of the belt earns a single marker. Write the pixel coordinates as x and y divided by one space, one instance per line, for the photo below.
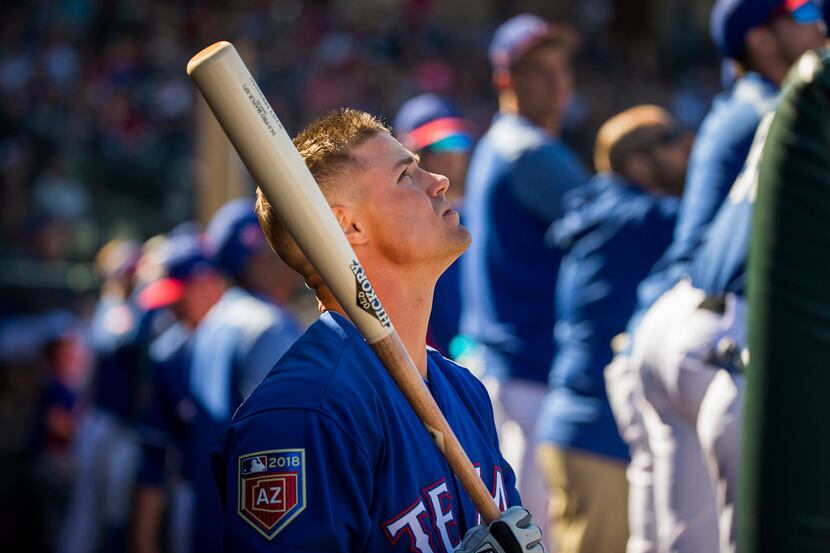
727 353
715 304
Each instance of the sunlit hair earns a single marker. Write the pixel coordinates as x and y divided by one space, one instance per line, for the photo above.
326 146
632 131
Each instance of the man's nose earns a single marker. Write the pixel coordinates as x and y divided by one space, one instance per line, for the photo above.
438 184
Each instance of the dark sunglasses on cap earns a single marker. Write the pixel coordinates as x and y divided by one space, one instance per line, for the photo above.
669 136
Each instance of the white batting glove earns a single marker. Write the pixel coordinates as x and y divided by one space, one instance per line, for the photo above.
514 532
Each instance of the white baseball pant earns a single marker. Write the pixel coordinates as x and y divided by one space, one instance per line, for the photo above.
626 399
672 353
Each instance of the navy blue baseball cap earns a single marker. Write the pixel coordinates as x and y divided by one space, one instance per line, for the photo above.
182 257
731 20
431 121
233 235
515 37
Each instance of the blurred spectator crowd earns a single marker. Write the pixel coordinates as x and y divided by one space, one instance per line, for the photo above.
97 115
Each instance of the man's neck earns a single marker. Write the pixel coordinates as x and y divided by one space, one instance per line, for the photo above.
407 299
772 71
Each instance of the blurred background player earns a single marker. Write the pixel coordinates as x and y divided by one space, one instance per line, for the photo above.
613 231
107 449
432 127
716 327
763 39
235 242
199 381
51 460
518 174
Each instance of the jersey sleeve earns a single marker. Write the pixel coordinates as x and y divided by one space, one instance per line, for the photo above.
716 160
293 480
542 176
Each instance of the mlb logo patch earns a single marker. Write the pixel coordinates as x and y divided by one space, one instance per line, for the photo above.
271 489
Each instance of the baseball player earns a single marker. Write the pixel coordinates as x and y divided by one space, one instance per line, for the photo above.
326 455
717 277
235 242
677 344
431 127
614 230
199 381
518 174
107 449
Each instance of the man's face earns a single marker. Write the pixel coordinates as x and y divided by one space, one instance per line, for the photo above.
543 81
403 209
670 161
795 38
195 302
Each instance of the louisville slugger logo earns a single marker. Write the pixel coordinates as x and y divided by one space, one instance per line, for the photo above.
261 106
367 299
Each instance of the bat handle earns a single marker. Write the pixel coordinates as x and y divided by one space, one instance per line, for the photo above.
392 353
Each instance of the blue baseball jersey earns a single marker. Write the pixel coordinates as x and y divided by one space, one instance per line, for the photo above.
720 264
612 234
518 175
720 150
327 455
200 380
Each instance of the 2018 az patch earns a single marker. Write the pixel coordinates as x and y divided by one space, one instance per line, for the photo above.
271 489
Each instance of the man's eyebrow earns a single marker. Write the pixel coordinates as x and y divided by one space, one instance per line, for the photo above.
408 160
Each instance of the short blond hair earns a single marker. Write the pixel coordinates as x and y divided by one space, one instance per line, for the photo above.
629 132
326 147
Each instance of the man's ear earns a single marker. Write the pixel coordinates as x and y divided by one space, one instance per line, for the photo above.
350 227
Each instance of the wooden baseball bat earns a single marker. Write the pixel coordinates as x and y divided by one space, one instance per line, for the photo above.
269 154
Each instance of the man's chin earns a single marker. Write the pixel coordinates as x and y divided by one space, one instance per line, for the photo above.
461 241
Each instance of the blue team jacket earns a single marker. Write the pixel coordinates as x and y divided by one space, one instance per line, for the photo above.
718 155
326 455
720 264
518 175
612 234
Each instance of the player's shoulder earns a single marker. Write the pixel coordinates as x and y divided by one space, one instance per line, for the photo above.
735 113
512 136
328 369
645 209
608 201
458 376
252 314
